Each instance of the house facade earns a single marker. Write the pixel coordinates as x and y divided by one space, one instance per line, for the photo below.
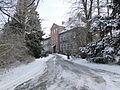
54 40
67 43
67 38
71 40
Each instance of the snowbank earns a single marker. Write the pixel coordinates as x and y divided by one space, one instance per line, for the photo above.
107 67
23 73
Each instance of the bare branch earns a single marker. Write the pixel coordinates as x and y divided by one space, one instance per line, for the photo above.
7 14
31 3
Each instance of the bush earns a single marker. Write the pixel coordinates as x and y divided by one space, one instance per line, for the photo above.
13 49
102 51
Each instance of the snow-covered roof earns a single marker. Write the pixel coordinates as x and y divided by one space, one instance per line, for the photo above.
72 23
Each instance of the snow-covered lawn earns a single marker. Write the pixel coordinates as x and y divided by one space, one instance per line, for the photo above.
111 68
9 79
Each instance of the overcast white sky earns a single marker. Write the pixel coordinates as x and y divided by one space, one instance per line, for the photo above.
52 11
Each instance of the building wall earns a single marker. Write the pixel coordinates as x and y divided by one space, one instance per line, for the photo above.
71 40
55 30
67 43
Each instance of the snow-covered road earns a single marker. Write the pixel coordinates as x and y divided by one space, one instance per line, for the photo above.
60 74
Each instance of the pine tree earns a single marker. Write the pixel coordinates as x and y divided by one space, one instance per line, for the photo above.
116 8
26 9
34 36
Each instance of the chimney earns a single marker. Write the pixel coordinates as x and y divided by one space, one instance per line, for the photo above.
63 22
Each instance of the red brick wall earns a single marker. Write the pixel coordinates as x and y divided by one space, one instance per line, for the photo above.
54 36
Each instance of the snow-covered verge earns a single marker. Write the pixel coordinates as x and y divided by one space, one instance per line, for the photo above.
9 79
106 67
111 68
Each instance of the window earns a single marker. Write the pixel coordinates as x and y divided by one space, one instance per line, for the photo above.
52 31
64 48
61 38
61 47
67 46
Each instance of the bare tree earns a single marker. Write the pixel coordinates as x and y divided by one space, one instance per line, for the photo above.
87 9
98 6
84 7
8 7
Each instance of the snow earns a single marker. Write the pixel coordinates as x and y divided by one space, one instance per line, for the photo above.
73 22
119 52
106 67
23 73
111 68
108 82
83 81
64 75
115 32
